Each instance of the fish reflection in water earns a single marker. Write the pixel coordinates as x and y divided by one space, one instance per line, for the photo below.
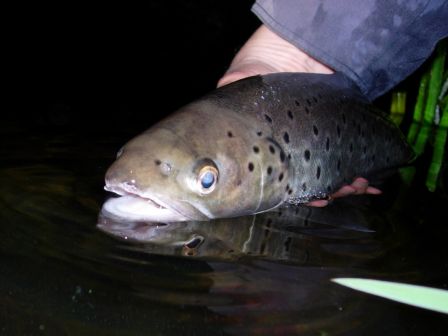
287 234
271 265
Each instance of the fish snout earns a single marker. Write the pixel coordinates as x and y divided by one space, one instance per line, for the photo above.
117 176
112 176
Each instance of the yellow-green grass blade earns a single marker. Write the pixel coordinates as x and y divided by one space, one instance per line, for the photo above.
439 149
419 296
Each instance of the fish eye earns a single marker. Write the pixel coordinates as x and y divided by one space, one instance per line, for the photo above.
207 178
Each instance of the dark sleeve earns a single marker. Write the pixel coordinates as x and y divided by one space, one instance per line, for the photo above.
377 43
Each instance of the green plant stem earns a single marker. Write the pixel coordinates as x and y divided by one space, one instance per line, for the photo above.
418 109
435 83
398 107
439 149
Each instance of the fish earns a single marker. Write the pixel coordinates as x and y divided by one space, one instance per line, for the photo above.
252 146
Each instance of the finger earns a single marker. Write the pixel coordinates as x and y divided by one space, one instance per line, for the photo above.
344 191
230 77
373 191
318 203
360 185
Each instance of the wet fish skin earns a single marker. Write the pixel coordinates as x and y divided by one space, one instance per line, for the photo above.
286 137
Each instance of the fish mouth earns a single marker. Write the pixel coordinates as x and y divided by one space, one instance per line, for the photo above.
132 204
126 189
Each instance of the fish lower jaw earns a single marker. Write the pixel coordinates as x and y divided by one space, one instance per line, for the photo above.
133 206
136 204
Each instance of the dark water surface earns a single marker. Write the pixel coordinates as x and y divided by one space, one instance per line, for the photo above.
262 275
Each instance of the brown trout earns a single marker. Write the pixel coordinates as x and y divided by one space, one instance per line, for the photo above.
252 146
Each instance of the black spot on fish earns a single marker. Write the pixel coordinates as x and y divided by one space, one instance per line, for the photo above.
315 130
364 150
315 99
318 172
297 103
290 115
282 156
268 118
387 159
256 149
307 110
272 149
229 134
338 130
344 120
327 144
286 137
339 165
308 102
307 155
157 162
351 147
269 170
289 156
289 191
373 158
304 187
329 188
280 177
259 133
287 187
250 166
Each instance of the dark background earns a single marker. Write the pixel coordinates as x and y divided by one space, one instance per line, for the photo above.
83 67
89 68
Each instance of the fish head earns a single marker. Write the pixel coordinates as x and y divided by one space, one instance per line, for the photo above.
203 162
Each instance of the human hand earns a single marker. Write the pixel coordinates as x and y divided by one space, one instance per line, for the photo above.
359 186
266 52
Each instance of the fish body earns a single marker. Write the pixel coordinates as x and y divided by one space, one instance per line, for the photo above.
253 145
